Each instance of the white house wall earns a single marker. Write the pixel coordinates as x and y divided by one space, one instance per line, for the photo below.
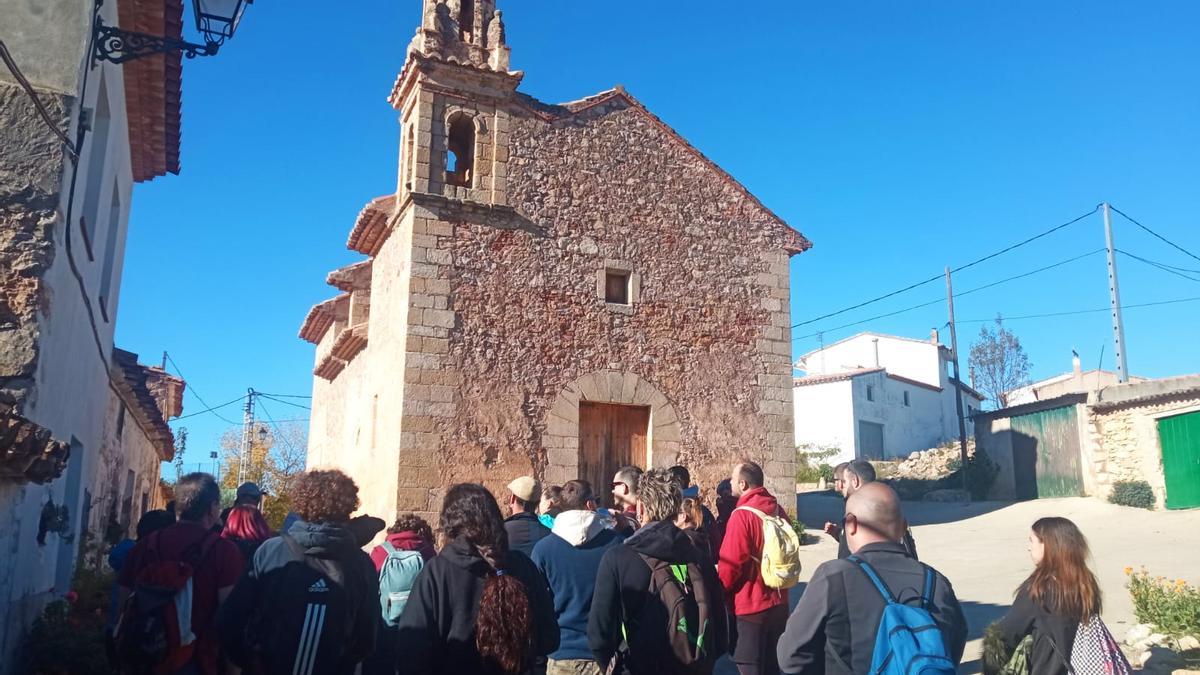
913 359
70 392
917 426
825 417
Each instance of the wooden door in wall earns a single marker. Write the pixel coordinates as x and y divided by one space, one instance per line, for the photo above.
610 437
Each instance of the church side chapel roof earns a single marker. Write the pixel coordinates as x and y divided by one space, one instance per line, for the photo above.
371 227
321 317
134 381
355 277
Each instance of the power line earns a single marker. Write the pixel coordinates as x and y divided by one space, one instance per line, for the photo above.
287 395
277 400
1170 269
210 410
956 269
966 292
1159 236
275 426
37 102
1081 311
197 394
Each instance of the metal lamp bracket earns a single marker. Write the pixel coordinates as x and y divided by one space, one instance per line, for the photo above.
118 46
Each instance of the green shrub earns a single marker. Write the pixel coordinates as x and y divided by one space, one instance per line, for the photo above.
810 467
981 473
1173 607
798 526
1137 493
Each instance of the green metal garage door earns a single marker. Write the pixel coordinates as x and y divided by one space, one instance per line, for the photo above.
1180 440
1046 454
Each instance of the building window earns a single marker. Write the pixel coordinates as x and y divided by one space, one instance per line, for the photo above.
120 422
460 151
870 393
906 401
466 20
616 287
107 305
101 126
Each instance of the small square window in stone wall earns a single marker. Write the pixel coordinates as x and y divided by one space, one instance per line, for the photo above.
616 287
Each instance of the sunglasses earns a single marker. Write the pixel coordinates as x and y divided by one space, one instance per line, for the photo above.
619 483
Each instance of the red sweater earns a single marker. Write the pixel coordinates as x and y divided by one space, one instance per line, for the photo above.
741 551
404 541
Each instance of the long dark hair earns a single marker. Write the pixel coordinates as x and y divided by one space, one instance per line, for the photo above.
502 626
1062 583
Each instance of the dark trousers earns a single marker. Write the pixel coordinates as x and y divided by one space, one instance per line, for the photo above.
758 634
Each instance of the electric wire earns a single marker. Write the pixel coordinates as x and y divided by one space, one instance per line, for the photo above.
973 263
281 400
966 292
275 425
208 410
1081 311
1169 269
197 394
6 56
1155 234
287 395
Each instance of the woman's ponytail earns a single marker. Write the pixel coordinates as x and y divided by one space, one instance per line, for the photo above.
503 624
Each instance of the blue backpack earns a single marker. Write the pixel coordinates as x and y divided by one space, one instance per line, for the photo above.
908 641
396 577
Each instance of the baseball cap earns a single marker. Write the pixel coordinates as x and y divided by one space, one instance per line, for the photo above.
526 489
249 489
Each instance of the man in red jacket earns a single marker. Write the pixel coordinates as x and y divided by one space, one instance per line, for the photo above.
761 612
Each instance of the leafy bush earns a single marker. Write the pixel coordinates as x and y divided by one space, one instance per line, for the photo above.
1173 607
1137 493
810 465
798 526
981 473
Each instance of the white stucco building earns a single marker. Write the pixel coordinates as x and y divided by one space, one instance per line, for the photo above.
878 396
64 218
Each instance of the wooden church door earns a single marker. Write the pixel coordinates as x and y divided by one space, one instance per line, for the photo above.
610 437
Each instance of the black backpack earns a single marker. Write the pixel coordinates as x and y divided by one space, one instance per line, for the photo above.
154 633
679 605
305 617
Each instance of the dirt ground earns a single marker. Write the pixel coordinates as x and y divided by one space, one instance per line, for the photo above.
981 548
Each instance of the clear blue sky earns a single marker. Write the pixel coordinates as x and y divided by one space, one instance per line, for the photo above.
899 137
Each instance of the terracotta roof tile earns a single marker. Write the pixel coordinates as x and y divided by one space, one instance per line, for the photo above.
133 380
351 277
330 367
153 89
372 226
350 342
322 316
825 378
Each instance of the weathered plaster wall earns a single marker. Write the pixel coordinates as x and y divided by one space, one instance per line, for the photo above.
825 416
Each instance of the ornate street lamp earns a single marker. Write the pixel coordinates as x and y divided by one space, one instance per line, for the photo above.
215 19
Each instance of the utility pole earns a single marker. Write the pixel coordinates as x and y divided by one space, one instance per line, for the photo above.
247 437
1114 299
958 406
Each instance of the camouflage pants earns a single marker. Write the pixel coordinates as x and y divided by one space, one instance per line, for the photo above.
572 667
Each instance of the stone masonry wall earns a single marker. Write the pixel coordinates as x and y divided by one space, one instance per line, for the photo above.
1125 443
510 321
31 165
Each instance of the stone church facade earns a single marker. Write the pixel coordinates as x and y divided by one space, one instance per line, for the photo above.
554 289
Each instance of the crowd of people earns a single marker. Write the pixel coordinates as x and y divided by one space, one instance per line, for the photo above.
551 580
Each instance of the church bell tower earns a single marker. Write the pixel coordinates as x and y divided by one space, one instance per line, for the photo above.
452 94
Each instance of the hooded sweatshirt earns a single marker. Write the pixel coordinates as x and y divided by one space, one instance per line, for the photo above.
242 615
403 541
741 551
623 591
437 629
570 558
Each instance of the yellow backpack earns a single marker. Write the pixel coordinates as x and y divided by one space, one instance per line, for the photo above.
780 564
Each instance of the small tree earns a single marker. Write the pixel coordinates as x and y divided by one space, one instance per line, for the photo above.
999 362
277 457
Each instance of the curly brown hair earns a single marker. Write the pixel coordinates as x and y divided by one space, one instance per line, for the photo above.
411 522
324 496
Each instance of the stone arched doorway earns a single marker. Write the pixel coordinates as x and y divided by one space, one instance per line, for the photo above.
623 392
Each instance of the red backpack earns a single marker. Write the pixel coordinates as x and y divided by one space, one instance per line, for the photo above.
154 634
